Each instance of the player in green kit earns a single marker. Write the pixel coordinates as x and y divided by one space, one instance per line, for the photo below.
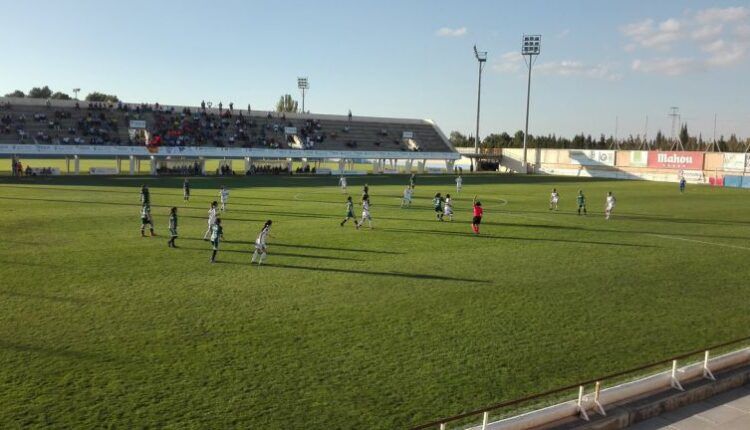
172 227
581 200
145 195
437 202
146 219
186 190
217 233
349 212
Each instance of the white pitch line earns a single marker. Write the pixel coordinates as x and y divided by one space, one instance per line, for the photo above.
725 245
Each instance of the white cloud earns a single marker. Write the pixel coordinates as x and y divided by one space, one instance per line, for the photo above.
708 38
510 62
707 31
728 14
450 32
715 46
670 26
646 34
742 31
727 56
664 66
577 68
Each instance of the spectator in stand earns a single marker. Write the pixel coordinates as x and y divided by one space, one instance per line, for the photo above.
231 106
203 105
248 109
350 115
220 107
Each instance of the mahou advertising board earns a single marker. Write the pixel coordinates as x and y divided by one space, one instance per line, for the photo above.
675 160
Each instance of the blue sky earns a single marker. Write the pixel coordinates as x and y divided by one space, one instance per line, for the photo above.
600 59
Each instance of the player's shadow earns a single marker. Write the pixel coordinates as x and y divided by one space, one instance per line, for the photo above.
53 352
375 273
528 239
326 248
643 217
36 296
603 230
285 254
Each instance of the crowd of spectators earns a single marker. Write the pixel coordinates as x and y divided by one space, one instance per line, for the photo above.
105 123
184 169
267 169
226 129
224 170
305 169
60 127
39 171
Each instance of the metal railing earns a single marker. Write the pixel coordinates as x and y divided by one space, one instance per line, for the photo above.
442 423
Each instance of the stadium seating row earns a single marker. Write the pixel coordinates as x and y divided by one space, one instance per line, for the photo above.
83 123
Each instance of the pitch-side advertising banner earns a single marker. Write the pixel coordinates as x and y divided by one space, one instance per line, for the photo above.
739 162
639 158
592 157
675 160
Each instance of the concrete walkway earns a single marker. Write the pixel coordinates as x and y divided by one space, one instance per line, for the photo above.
726 411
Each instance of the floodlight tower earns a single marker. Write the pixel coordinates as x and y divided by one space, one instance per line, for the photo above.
303 85
481 57
531 45
75 92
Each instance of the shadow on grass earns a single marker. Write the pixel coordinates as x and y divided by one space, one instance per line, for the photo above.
285 254
52 352
369 272
603 230
523 239
327 248
42 297
645 217
373 251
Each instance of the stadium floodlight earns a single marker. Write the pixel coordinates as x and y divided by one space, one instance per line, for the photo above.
481 57
75 92
304 85
531 45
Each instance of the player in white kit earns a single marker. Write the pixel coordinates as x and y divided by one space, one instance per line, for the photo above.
610 205
365 211
224 196
211 219
459 183
342 183
554 200
448 208
260 243
406 200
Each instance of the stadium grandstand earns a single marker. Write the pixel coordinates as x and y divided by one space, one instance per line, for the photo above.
166 134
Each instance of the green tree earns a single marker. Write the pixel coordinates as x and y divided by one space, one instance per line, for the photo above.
684 136
101 97
518 139
60 96
660 141
40 93
459 140
16 93
286 104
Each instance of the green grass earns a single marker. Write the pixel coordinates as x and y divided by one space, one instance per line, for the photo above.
378 329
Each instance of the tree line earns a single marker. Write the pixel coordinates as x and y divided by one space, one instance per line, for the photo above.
46 93
583 141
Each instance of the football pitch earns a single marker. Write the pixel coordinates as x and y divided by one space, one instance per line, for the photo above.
341 328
